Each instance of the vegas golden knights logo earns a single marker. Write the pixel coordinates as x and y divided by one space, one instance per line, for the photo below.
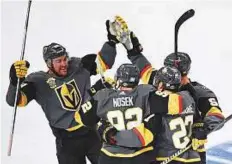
69 96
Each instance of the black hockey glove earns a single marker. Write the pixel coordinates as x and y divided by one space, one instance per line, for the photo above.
107 132
89 63
137 47
101 84
199 135
135 42
18 70
111 33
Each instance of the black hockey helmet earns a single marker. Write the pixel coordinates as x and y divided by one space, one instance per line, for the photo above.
169 76
127 75
53 51
181 61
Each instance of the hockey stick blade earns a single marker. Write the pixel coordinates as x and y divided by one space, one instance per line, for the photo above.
181 151
188 14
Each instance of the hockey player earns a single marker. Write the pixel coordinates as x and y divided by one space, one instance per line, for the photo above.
178 127
210 114
60 92
124 108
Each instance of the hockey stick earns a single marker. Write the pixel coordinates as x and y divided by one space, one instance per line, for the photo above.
18 81
188 14
181 151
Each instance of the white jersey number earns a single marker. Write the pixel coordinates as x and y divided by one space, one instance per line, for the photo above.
181 137
213 102
123 120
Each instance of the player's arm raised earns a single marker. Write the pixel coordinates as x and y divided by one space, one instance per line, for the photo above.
134 50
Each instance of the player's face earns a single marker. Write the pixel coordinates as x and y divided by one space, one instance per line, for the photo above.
160 86
185 80
60 65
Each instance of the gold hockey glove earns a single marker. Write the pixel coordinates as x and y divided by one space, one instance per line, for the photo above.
18 70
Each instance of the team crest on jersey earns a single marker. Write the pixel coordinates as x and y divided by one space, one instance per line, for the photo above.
51 82
69 96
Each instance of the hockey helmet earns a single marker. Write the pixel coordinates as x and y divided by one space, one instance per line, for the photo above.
53 51
181 61
127 75
170 77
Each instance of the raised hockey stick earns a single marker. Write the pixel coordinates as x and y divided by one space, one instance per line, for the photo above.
17 88
188 14
181 151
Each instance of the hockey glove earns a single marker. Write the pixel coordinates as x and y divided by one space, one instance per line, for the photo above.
199 135
18 70
111 33
89 63
107 132
125 36
213 123
118 31
137 47
135 42
101 84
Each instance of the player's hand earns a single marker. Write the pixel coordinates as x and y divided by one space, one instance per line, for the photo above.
199 135
111 33
135 42
125 36
117 30
18 70
107 132
89 63
107 82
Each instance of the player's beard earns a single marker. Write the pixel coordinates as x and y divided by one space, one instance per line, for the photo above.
63 71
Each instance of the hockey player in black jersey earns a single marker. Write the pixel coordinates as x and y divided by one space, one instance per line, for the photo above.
177 129
124 108
60 92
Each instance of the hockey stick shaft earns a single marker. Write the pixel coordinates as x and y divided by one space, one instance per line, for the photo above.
18 82
172 157
188 14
